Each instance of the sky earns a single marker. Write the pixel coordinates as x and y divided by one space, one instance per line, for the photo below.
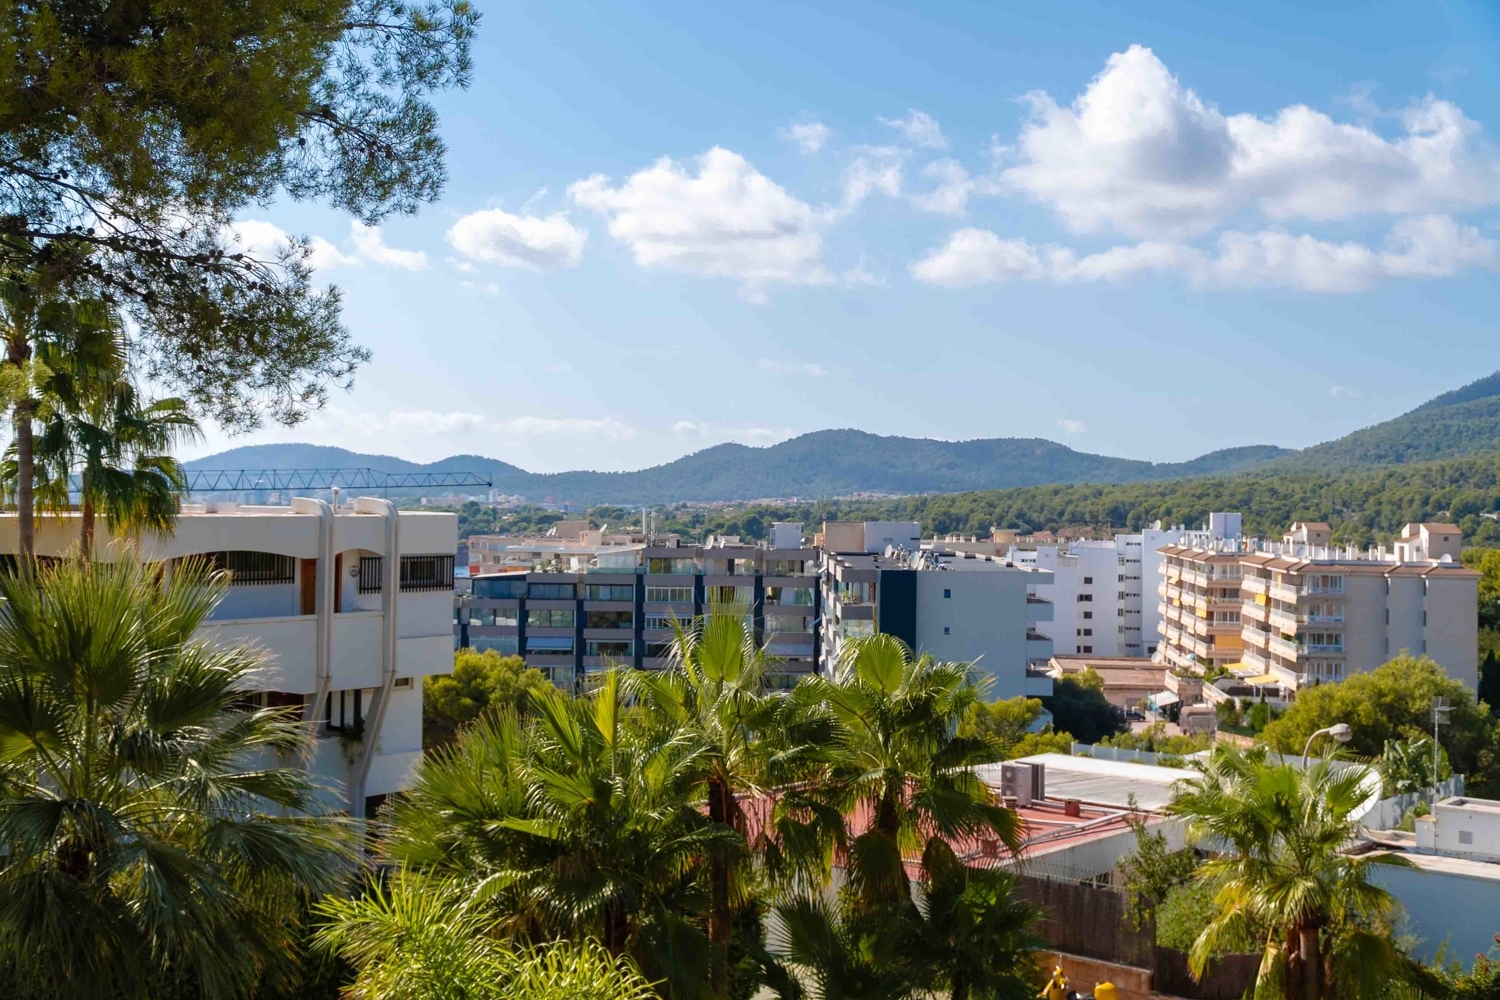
1148 230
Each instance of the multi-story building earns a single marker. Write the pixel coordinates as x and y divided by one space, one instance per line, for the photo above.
569 552
620 610
1308 612
959 606
352 608
1097 591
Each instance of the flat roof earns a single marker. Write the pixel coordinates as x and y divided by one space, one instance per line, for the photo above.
1104 782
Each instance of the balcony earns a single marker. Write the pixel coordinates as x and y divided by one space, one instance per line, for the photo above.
1161 608
1254 636
1038 646
1284 592
1251 658
1287 621
1288 648
1038 683
1039 609
1255 612
1255 584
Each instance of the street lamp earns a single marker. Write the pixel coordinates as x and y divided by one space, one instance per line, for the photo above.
1339 731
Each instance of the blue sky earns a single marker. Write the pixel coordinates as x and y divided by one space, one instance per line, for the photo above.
1147 230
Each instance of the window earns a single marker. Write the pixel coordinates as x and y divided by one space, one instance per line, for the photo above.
656 650
610 591
418 573
1088 614
505 645
613 648
369 574
552 591
658 622
344 712
402 684
550 645
248 569
789 596
729 595
1088 631
549 618
1088 579
684 567
503 617
1122 595
1122 578
1085 597
491 587
610 619
1086 649
669 595
947 630
947 593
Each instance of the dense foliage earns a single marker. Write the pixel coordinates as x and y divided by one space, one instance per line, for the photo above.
1078 706
481 681
1009 722
149 822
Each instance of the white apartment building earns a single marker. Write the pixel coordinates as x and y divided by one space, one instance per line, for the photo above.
352 607
957 606
1104 606
1309 613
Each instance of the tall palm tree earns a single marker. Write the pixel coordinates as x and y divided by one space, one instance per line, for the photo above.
898 760
1282 831
43 332
426 938
138 853
577 825
747 743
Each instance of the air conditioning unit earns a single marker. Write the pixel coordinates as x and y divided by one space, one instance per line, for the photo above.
1038 782
1016 781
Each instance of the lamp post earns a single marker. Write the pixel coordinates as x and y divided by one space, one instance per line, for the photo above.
1339 731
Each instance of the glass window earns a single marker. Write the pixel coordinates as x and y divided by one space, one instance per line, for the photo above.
552 591
612 648
549 618
610 619
503 644
251 568
423 573
611 592
685 567
669 595
493 587
660 621
730 595
549 644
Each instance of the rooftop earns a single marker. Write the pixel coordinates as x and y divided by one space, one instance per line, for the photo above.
1109 783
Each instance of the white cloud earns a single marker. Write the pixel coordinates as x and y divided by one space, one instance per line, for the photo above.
706 433
1425 247
494 236
728 220
369 245
1345 392
265 240
954 188
1140 154
791 367
810 136
877 170
919 128
458 422
1072 426
858 277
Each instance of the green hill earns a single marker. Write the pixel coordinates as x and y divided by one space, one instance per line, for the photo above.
834 463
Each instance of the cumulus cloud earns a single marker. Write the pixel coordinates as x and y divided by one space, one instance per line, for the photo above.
494 236
1345 392
791 367
878 170
1072 426
727 220
1141 154
919 128
953 190
369 245
266 240
809 136
1420 247
707 433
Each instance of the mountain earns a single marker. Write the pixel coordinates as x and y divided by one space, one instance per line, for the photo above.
843 462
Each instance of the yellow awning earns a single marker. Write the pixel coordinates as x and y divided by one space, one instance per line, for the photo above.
1232 667
1262 679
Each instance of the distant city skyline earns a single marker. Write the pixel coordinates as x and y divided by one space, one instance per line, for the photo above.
668 229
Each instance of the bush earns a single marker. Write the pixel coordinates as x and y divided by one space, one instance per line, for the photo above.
1078 706
480 680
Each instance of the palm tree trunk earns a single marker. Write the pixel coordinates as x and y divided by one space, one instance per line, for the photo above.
1312 963
720 921
18 352
86 520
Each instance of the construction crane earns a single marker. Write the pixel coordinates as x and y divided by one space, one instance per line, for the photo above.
264 480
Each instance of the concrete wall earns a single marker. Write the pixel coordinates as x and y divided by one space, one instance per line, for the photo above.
1452 631
1406 603
1443 908
985 616
1364 622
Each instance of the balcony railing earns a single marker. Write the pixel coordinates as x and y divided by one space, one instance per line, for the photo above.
1255 612
1284 647
1255 584
1251 658
1284 592
1254 636
1286 620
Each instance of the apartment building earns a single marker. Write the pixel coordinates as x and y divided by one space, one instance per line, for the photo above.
1308 612
956 605
1102 606
620 609
571 550
352 606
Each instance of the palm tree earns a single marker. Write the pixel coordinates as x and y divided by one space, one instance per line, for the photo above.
40 330
426 938
578 825
746 742
1283 831
138 856
898 759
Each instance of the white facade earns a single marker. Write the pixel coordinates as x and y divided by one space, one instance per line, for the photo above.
348 631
